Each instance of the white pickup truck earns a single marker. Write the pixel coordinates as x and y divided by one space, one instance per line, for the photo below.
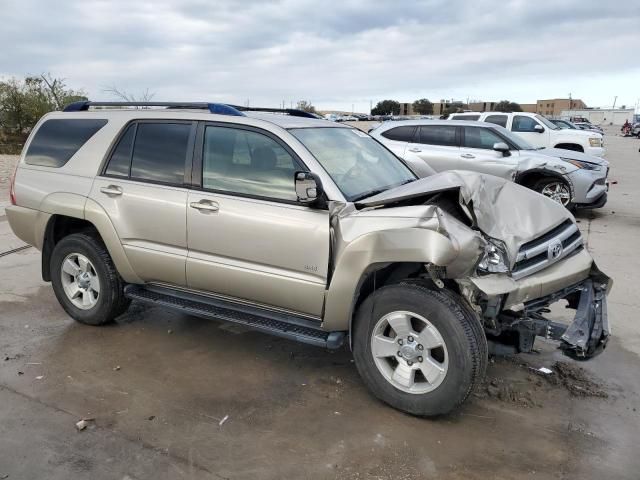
540 132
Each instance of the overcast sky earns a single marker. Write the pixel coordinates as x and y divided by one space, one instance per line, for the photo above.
334 53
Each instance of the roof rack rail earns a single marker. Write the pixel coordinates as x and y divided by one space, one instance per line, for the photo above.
218 108
294 112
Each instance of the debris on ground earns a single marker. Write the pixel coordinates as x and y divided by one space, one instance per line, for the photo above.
84 423
39 377
10 357
224 419
545 370
507 391
576 380
151 417
116 368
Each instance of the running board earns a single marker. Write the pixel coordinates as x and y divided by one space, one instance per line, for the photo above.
276 323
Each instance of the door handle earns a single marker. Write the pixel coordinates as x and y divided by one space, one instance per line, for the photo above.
415 150
112 190
205 205
467 155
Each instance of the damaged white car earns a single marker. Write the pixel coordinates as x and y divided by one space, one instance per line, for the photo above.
574 179
306 229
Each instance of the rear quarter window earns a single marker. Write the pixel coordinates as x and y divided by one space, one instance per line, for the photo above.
57 140
400 134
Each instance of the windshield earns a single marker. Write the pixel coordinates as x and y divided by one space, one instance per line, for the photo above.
547 123
358 164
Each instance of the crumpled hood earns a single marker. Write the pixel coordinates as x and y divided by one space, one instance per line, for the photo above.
499 208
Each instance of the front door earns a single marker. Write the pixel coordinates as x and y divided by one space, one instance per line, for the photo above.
248 237
142 190
477 153
525 127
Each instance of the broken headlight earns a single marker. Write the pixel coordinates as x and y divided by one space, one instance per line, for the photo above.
494 259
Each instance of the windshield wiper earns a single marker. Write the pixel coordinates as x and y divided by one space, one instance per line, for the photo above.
376 191
370 193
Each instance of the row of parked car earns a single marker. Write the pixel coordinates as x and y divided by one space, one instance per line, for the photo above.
317 232
563 164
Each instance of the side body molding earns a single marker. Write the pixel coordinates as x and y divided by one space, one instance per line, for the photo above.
380 247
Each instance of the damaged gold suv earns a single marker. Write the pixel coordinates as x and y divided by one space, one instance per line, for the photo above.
306 229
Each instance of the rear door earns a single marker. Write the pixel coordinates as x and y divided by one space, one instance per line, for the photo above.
477 153
248 236
142 189
524 126
438 146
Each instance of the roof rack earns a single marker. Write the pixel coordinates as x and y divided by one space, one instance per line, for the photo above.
218 108
294 112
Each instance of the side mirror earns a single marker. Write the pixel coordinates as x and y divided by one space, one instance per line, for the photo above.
502 147
308 187
538 129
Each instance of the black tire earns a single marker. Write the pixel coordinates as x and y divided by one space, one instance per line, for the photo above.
111 301
460 329
540 184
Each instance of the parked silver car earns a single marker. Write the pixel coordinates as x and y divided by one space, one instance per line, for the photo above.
572 178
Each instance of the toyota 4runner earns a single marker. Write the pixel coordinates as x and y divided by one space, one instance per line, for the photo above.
306 229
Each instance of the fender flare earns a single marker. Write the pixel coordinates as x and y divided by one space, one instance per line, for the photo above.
371 252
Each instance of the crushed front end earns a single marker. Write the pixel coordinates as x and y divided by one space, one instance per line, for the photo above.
514 304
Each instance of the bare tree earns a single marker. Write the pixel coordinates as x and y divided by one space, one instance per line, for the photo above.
125 96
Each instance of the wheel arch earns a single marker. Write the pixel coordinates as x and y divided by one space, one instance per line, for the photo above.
377 259
576 147
94 221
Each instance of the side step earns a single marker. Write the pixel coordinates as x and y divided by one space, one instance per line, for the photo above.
276 323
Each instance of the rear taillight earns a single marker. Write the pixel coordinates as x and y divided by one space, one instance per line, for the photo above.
12 188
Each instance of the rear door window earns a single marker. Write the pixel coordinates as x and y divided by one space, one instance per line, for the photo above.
400 134
57 140
121 157
497 120
444 135
160 152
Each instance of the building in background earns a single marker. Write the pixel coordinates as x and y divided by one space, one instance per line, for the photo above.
601 116
407 109
553 107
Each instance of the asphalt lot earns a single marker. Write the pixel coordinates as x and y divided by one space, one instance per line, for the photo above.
176 397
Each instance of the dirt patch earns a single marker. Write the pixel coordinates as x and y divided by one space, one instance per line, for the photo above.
576 380
509 392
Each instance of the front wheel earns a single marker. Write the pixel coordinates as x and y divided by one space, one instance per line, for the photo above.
420 350
555 189
85 280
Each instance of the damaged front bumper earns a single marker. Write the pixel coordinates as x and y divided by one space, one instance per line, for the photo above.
587 335
515 311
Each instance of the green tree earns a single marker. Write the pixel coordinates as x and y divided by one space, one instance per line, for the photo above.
23 102
423 107
386 107
507 106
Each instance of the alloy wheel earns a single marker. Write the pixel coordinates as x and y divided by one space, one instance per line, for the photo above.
80 281
409 352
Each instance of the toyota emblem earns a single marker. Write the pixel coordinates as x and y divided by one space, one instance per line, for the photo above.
555 250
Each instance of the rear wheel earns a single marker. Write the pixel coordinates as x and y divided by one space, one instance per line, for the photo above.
555 189
421 351
85 280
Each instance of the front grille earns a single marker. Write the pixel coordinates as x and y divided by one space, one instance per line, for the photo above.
534 256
